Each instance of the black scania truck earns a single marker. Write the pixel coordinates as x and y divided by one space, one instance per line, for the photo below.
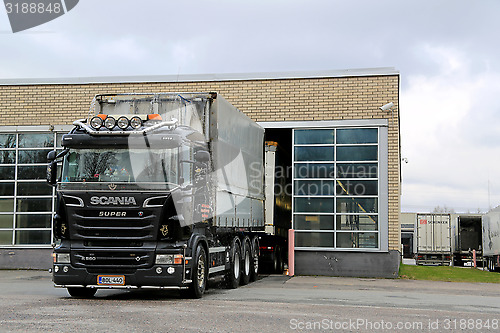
161 190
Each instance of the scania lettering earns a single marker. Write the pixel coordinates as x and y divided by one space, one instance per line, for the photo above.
186 171
112 201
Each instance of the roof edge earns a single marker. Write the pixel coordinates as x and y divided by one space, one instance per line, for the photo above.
382 71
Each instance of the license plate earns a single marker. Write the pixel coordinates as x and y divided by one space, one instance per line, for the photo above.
111 280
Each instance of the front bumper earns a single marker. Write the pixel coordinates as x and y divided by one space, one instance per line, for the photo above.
170 277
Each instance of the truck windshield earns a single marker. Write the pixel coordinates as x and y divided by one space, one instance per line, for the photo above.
121 166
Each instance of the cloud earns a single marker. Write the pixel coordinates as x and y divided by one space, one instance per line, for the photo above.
449 124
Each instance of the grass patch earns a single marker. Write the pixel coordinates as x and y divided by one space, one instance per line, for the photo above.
448 274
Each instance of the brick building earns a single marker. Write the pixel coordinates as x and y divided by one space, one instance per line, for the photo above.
333 236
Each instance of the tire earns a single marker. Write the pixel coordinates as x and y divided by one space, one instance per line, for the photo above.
80 292
246 262
279 261
199 273
275 263
234 274
255 259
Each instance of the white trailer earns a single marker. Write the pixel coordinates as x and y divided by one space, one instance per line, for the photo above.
434 239
491 239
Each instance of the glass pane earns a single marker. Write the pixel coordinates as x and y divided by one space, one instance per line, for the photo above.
34 205
314 239
314 153
6 221
314 187
6 188
357 135
32 172
33 221
5 237
314 136
33 188
314 170
7 140
6 205
7 157
59 139
313 222
357 187
314 205
357 205
121 165
357 240
33 156
357 153
7 172
35 140
33 237
357 222
357 170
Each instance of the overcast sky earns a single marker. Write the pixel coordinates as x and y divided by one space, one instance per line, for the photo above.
448 54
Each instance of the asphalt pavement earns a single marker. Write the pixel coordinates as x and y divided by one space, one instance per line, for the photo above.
274 303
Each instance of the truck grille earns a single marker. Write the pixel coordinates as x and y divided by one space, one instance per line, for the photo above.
116 259
133 228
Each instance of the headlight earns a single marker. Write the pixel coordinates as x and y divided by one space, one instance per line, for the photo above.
136 122
123 122
164 259
96 123
63 258
109 123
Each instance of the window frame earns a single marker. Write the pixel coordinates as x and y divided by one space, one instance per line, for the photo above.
56 132
381 232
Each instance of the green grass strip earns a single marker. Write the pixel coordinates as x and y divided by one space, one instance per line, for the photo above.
448 274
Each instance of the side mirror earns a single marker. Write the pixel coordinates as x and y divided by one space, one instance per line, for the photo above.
52 155
52 173
202 156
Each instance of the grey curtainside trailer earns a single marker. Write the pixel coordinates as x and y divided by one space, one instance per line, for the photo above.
160 190
491 239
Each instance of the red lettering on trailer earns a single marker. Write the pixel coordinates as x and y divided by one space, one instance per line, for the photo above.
423 221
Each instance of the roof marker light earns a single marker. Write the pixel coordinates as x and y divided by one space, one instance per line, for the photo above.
154 116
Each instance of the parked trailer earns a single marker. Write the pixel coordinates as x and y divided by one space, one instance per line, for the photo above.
158 191
468 240
434 239
491 239
278 204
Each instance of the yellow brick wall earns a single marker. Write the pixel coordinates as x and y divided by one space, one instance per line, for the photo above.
331 98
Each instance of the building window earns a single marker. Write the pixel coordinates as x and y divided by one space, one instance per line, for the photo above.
337 188
26 201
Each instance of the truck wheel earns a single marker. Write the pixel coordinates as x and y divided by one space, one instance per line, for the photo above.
234 274
80 292
255 259
279 262
199 274
246 262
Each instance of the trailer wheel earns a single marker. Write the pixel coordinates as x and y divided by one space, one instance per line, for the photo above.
255 259
199 284
234 274
246 262
278 261
80 292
